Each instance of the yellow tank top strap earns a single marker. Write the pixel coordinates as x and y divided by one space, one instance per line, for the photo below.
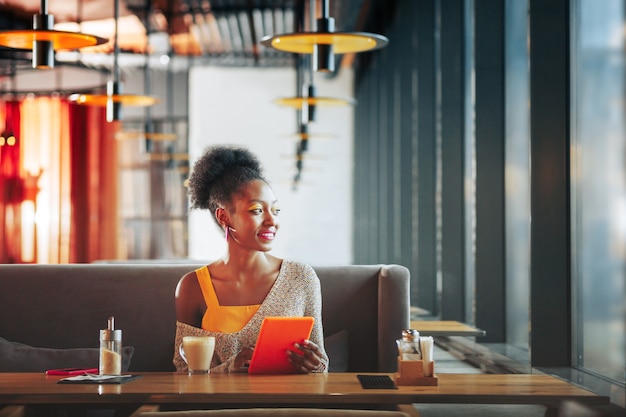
208 292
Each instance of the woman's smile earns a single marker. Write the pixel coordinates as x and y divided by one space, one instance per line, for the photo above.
267 235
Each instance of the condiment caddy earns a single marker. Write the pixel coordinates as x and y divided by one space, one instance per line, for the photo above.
416 365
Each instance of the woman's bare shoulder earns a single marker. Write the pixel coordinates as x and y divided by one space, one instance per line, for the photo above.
188 300
188 282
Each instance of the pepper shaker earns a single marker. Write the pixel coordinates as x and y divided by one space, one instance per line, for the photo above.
110 350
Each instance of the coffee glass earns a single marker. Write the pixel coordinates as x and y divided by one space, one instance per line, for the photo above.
197 352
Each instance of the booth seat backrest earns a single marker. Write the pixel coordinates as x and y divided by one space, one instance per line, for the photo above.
371 304
65 306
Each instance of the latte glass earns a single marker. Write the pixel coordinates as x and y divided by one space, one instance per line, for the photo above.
197 352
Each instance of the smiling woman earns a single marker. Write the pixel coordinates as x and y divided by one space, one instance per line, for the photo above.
230 297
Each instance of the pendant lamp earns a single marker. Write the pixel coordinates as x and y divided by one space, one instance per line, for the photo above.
308 104
114 97
312 100
299 157
303 133
168 156
303 145
148 134
133 135
324 42
306 99
43 40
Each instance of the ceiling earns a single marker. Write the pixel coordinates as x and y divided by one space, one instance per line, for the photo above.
211 32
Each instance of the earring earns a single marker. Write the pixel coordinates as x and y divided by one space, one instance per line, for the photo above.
227 231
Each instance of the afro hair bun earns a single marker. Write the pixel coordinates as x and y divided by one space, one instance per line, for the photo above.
220 172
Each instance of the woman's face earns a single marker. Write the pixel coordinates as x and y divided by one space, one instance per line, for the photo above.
254 216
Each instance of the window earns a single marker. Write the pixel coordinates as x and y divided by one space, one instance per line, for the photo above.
517 175
599 186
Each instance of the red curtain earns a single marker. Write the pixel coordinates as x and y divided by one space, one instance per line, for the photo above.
12 191
93 184
58 183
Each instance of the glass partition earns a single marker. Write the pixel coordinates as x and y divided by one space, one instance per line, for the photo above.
599 186
517 175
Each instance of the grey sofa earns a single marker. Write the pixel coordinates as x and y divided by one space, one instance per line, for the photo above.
364 309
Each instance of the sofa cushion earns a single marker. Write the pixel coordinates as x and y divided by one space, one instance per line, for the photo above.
336 346
18 357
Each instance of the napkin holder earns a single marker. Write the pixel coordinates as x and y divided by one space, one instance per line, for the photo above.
412 373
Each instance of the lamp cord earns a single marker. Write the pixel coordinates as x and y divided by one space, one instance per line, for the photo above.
312 15
313 28
116 48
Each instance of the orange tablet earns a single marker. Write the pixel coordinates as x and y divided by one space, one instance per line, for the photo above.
276 336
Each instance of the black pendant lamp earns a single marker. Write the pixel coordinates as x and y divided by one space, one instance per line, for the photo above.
43 40
324 42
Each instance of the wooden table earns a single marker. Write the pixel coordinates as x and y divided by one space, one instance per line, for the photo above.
242 390
445 328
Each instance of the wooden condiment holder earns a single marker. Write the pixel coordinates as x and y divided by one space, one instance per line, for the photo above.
412 373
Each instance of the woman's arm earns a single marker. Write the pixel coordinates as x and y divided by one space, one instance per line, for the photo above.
190 305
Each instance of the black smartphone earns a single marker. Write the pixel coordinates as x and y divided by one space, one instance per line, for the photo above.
376 382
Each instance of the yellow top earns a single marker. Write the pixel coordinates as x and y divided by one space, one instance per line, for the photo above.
217 318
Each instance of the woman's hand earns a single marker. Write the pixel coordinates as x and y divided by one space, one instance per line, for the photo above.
242 360
309 360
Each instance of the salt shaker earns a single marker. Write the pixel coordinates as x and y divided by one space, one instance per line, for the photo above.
409 346
110 350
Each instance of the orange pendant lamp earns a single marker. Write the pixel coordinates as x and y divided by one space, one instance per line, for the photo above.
43 40
324 42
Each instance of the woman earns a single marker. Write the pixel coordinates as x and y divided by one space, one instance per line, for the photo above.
230 297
